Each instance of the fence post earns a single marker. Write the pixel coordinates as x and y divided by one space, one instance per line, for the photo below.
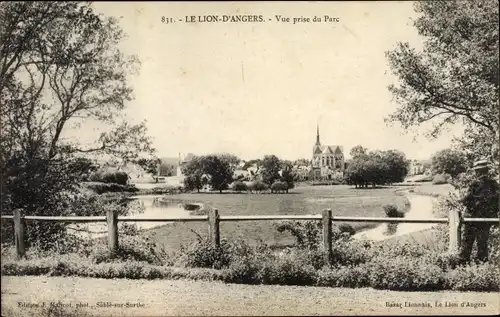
214 233
327 236
455 227
112 220
19 233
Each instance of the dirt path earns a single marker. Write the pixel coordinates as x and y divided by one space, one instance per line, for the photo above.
181 298
421 208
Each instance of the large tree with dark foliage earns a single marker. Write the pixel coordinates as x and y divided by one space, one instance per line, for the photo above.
270 169
455 77
60 67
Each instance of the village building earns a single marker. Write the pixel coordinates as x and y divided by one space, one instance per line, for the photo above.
327 160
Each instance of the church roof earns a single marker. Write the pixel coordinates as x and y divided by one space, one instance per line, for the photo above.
329 149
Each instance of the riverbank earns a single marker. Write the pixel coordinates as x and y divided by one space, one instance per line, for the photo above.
421 207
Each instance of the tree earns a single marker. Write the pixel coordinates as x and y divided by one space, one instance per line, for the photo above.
376 168
219 172
60 66
455 77
270 169
358 150
194 171
231 159
302 162
287 175
398 165
449 161
149 165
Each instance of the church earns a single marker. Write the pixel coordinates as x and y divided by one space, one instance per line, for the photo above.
327 160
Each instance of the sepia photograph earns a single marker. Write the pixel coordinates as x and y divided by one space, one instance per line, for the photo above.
249 158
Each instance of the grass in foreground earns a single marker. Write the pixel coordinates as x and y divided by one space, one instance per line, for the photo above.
390 266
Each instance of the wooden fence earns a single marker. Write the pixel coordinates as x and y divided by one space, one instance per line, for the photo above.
454 222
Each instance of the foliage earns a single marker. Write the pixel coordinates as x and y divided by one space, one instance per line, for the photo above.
257 186
344 276
376 167
58 67
231 159
287 175
270 169
355 264
209 169
149 165
455 77
102 188
131 248
107 176
393 211
449 161
475 277
278 187
405 273
239 186
357 151
219 172
193 171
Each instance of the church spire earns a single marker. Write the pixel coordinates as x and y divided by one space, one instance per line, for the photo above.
317 135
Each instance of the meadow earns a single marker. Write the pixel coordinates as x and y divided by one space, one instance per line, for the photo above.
343 200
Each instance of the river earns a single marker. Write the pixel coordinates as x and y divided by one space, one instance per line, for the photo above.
421 208
150 206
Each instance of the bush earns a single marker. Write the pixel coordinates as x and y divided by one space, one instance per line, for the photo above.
204 255
101 188
286 270
347 252
392 211
279 186
345 276
132 248
307 234
105 176
257 186
347 228
405 274
239 186
476 277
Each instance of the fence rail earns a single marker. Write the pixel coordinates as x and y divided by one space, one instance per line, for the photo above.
454 221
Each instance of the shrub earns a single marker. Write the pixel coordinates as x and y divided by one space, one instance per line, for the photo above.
258 186
105 176
132 248
239 186
243 271
279 186
307 234
346 252
101 188
203 254
286 270
475 277
345 276
393 211
405 273
347 228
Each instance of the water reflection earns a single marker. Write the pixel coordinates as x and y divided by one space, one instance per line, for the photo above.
140 207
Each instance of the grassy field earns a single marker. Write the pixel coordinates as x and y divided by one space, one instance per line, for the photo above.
343 200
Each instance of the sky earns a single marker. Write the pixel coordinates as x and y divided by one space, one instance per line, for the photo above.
253 89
